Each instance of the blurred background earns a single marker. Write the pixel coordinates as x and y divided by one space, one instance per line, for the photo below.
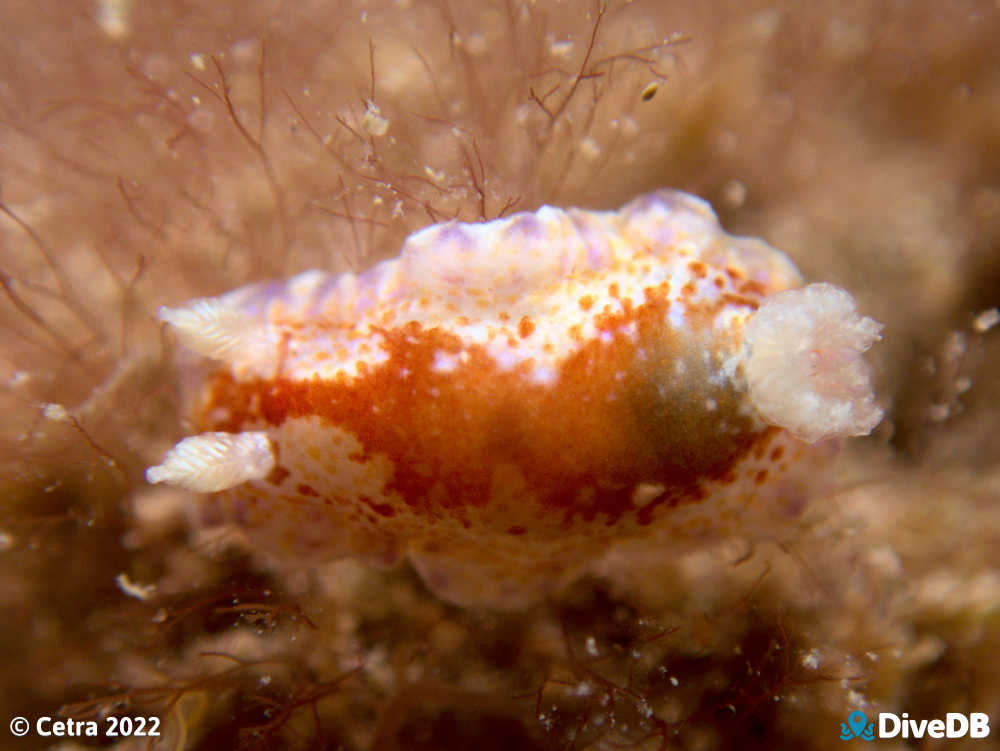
154 152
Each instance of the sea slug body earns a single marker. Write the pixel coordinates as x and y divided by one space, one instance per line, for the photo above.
505 401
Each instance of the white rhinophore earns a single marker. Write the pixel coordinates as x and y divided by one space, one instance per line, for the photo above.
217 330
212 462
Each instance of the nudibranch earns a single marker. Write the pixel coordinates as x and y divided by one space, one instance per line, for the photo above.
506 401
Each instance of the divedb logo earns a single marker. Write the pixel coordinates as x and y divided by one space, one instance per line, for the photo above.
954 725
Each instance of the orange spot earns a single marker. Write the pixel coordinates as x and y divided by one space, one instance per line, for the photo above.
586 302
382 509
278 475
613 290
525 327
698 268
752 287
688 289
750 302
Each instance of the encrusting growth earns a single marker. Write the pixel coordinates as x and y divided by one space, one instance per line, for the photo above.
506 401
